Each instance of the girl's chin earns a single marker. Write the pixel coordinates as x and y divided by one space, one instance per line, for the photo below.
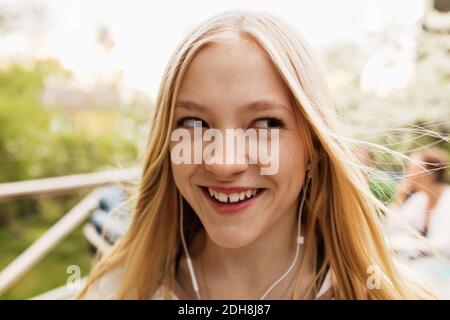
232 240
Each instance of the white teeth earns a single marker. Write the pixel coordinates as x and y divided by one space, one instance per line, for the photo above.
223 197
232 197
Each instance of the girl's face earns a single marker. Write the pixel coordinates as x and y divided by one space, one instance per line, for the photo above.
418 176
231 86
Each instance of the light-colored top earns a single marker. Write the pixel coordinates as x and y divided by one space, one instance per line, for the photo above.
106 288
412 214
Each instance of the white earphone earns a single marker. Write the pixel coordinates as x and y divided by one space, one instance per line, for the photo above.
298 241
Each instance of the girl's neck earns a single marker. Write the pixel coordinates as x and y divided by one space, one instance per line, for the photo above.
247 272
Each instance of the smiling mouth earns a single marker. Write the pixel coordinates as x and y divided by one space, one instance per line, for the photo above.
233 197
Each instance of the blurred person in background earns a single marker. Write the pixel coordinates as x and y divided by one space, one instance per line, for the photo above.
422 201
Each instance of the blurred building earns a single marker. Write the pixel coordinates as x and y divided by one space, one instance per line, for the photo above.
93 110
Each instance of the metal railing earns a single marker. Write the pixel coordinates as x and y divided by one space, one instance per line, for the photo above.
63 227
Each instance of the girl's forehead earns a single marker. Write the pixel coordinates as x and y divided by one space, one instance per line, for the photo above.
226 72
227 60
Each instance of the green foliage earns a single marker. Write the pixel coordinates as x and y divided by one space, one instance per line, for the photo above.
51 272
382 187
30 149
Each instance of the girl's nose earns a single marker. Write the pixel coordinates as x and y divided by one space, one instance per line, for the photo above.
225 165
225 170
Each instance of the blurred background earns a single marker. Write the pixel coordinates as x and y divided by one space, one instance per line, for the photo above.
78 80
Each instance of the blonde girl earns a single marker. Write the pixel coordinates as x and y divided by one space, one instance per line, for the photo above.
223 230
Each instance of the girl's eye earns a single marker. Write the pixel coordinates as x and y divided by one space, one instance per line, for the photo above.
268 123
190 122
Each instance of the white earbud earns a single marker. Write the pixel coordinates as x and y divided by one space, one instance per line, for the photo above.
299 241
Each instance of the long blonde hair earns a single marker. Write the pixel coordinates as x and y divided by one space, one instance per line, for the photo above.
341 215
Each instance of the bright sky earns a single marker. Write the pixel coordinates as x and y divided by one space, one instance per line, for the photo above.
146 32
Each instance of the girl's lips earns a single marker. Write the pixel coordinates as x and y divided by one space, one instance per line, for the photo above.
229 189
231 207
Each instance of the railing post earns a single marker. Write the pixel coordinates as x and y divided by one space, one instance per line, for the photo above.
58 185
34 253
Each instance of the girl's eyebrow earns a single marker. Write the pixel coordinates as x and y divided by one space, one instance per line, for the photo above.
260 105
190 105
